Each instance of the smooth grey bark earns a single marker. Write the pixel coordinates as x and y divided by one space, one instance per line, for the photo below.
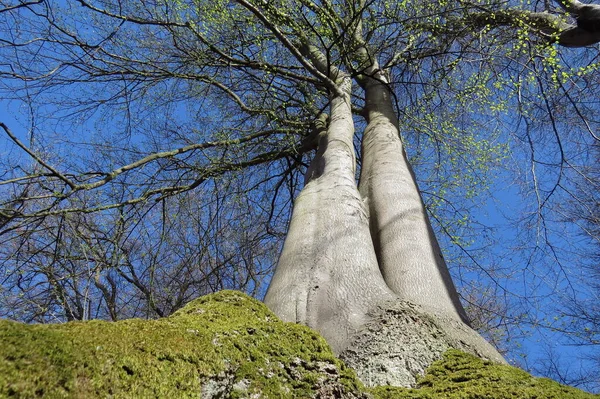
587 30
327 276
555 28
364 268
408 253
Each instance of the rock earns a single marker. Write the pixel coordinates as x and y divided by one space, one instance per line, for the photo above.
462 376
228 345
224 345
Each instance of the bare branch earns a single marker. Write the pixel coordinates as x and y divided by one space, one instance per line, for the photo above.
37 158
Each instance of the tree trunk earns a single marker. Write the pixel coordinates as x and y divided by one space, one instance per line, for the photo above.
372 283
327 276
408 253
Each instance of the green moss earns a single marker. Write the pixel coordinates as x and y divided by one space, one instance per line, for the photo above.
462 376
222 340
224 345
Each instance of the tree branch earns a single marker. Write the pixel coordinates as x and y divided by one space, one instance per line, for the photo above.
37 158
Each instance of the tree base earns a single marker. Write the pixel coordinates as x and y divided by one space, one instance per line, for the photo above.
403 339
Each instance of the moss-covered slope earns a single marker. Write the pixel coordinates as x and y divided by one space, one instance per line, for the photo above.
221 345
225 345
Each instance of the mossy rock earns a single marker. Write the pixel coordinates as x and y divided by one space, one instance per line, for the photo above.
224 345
462 376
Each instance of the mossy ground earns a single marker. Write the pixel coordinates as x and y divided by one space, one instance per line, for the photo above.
223 345
222 340
462 376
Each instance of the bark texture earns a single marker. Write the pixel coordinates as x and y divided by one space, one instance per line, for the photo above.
402 339
327 276
363 267
409 255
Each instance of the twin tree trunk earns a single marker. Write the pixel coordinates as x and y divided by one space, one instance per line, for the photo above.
361 264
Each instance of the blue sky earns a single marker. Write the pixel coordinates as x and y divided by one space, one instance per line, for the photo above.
522 273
